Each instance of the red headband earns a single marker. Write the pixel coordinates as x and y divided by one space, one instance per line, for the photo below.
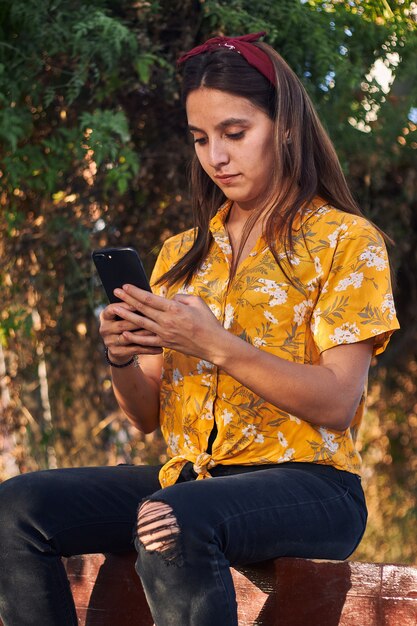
243 45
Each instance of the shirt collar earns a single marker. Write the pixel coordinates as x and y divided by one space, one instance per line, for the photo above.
217 223
218 230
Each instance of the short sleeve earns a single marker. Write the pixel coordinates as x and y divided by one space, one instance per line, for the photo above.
356 300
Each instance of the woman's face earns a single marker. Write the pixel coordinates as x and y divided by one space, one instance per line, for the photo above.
233 141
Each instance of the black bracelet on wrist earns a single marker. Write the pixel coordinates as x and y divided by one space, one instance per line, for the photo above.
106 356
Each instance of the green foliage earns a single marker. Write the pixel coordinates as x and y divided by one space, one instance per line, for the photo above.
57 59
122 173
105 128
145 63
15 125
17 320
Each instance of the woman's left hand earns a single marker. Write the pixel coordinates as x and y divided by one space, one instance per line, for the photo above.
185 323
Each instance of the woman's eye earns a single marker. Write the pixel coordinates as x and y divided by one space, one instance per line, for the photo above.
235 136
201 141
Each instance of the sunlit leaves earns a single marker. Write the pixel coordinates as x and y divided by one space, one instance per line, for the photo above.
105 130
15 320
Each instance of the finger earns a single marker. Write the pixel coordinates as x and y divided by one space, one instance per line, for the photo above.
127 352
140 321
119 326
130 302
129 319
133 343
112 328
124 338
142 333
148 340
184 298
122 345
115 341
133 295
109 313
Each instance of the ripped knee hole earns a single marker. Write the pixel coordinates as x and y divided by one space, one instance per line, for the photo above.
157 527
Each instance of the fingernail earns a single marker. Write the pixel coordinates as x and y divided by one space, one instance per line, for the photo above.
118 292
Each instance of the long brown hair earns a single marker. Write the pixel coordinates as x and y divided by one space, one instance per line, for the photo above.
305 162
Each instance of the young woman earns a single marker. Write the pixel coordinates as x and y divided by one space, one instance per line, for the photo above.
268 313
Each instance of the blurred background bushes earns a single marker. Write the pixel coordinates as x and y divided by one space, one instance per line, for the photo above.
94 152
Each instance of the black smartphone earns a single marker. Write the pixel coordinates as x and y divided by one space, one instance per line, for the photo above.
117 267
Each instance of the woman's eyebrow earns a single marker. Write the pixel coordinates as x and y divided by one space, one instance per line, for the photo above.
231 121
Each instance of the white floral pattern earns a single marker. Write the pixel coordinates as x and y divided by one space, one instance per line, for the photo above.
317 266
301 310
287 456
177 377
186 290
329 440
346 333
292 258
354 280
226 416
271 318
204 269
315 321
270 287
228 316
249 431
388 306
203 366
375 256
172 442
215 309
207 412
224 244
282 440
338 235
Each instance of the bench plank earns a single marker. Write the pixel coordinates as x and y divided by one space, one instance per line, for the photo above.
290 592
283 592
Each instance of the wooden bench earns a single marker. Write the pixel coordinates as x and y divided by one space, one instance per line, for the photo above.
284 592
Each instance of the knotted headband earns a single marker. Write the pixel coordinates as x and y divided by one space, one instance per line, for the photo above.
243 45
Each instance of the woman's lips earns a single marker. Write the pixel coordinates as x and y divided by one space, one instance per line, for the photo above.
225 179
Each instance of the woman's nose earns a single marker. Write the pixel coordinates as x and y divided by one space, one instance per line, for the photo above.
218 154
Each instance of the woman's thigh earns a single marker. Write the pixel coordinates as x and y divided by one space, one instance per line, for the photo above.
297 509
77 510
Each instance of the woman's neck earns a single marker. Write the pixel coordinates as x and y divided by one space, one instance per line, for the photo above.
242 235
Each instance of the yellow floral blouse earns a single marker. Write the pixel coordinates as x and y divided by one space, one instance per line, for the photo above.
341 294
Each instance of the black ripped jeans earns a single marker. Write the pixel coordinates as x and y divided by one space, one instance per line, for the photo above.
243 515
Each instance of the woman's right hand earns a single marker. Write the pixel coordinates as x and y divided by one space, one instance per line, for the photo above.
111 330
137 393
